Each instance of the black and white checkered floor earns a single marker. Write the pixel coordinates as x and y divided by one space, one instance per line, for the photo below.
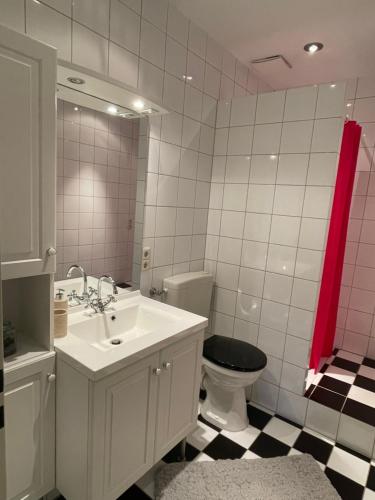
346 383
268 435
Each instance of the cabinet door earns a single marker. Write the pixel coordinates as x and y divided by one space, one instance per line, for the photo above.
30 431
178 392
27 161
123 428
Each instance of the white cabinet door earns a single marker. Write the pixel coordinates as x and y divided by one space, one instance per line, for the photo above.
30 431
178 392
28 152
124 428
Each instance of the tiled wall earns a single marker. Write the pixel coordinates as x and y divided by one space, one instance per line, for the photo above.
273 171
356 326
96 190
150 45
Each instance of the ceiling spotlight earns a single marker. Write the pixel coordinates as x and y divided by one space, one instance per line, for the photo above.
333 85
313 47
76 108
112 109
76 80
138 104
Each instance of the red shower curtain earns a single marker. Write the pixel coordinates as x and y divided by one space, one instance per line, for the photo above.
326 316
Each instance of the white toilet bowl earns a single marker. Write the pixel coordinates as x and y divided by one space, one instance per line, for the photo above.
229 366
225 403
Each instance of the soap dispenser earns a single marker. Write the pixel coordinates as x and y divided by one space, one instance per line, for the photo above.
61 302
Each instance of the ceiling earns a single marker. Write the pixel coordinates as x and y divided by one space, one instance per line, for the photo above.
251 29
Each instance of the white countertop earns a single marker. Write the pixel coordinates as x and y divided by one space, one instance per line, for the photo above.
96 363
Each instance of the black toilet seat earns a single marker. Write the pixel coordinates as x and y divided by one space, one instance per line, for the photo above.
234 354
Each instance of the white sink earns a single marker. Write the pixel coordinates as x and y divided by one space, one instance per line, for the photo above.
98 344
112 328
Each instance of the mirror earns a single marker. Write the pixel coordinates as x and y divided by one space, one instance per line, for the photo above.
100 179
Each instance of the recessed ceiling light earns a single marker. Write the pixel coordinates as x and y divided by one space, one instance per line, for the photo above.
333 85
313 47
76 108
138 104
76 80
112 109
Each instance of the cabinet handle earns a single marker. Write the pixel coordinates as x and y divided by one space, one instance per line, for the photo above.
51 251
167 365
157 371
51 377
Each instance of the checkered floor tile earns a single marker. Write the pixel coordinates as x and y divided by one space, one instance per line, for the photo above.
268 435
346 383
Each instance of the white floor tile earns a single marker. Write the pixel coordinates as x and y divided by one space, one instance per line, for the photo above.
349 356
362 395
349 465
250 455
367 371
244 438
202 457
282 431
340 374
201 436
369 495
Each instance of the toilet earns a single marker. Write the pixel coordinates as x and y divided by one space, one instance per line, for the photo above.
229 365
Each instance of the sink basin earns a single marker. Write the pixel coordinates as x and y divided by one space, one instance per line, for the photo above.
98 344
112 328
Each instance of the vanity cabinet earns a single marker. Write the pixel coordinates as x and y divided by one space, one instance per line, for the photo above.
28 152
30 429
112 431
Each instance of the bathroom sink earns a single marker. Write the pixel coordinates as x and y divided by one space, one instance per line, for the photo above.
114 327
98 344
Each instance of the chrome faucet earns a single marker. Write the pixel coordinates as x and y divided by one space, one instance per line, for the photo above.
99 304
85 294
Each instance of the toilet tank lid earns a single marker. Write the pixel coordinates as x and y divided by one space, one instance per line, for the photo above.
184 280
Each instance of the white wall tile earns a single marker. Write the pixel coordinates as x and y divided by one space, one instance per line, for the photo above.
317 202
124 26
327 135
232 224
49 26
234 197
277 288
243 111
296 137
12 13
94 16
254 254
152 47
263 169
284 230
89 49
281 259
178 25
330 100
300 103
313 233
237 169
266 139
257 227
292 169
123 65
260 198
156 12
274 315
289 200
240 140
270 107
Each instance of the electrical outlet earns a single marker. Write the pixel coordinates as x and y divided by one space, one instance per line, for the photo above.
146 253
146 264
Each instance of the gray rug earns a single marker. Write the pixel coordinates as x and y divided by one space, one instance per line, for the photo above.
296 477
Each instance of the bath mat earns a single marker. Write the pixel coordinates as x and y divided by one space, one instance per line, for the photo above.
297 477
